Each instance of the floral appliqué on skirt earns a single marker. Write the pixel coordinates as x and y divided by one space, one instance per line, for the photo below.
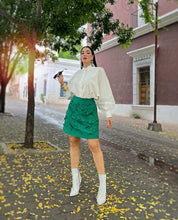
81 118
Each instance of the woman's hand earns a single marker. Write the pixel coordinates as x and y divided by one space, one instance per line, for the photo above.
109 122
60 79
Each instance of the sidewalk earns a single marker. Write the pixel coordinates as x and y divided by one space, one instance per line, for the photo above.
37 185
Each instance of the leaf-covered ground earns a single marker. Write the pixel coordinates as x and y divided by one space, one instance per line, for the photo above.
18 148
37 186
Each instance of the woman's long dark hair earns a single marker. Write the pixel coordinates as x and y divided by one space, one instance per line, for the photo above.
94 60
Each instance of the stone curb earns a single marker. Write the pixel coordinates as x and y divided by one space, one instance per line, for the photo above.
6 150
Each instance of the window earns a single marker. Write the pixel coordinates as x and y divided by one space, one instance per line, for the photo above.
144 85
150 5
141 20
62 92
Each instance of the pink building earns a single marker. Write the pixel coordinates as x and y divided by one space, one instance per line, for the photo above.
131 71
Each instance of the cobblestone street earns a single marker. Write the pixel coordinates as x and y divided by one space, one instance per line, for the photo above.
141 169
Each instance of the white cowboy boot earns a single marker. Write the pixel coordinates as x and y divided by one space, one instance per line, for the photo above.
76 180
101 198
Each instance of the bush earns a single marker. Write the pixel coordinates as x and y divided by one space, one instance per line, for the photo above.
42 98
136 116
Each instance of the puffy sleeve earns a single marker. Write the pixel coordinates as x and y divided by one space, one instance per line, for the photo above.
69 94
105 100
71 85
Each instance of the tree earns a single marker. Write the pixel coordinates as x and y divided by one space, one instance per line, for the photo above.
57 24
9 56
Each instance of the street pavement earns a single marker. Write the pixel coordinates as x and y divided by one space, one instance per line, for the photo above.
141 167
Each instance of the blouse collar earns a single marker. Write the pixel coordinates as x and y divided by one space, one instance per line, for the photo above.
87 68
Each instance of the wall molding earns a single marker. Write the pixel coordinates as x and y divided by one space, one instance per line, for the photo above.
142 51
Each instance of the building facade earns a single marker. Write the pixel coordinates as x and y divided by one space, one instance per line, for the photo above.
48 90
131 71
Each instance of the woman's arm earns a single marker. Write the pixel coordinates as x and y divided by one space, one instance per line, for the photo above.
105 100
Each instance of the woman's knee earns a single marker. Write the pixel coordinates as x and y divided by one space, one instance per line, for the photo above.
74 141
94 146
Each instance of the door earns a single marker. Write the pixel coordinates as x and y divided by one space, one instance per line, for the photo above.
144 85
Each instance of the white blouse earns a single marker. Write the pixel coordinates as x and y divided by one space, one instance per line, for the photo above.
92 82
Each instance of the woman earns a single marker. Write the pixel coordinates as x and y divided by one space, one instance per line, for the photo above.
87 86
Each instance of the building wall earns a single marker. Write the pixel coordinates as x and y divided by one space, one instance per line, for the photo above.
122 11
53 87
128 13
165 6
122 65
168 66
45 72
118 66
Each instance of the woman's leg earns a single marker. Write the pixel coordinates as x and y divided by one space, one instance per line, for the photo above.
74 151
99 162
75 157
94 146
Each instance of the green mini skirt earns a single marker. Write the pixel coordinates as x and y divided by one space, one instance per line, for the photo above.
81 118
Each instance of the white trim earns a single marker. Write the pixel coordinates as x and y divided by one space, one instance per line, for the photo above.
108 44
142 57
141 51
147 112
166 19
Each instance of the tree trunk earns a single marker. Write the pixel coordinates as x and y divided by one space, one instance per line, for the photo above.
31 104
2 97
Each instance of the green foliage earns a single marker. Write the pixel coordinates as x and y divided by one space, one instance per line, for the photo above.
22 66
42 98
125 34
102 25
67 55
148 10
136 116
58 25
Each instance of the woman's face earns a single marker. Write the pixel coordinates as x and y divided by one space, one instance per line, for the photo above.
86 56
